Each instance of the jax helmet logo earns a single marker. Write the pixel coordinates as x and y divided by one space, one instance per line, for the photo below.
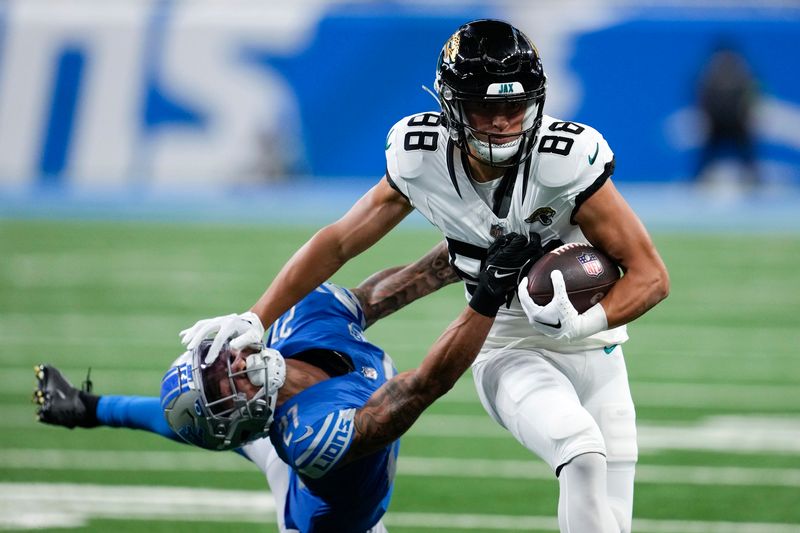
591 264
451 48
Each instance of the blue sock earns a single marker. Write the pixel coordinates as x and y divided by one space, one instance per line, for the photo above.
134 412
138 412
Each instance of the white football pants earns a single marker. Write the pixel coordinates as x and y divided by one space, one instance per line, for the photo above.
263 455
575 412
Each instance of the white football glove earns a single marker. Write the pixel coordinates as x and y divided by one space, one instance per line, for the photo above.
242 330
559 319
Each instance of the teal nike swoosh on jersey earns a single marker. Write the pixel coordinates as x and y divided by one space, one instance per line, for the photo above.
609 349
593 158
388 144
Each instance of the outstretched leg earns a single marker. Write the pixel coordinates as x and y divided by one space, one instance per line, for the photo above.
62 404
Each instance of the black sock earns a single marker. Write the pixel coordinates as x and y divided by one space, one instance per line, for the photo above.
90 401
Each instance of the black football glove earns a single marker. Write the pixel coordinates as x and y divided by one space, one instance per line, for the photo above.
508 259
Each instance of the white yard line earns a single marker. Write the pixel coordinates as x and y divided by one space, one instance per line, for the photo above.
702 396
198 461
664 393
534 469
41 505
646 393
730 434
725 434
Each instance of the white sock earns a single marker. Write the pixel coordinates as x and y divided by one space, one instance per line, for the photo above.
278 478
583 505
620 492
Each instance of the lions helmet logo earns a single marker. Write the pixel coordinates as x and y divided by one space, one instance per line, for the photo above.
192 434
543 215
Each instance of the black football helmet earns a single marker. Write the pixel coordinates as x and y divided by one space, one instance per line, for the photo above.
485 62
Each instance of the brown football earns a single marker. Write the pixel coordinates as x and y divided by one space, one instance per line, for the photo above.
588 275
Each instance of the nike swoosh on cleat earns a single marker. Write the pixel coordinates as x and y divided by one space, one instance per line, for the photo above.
557 325
304 436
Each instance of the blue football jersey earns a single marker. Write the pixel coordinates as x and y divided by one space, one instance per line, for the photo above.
314 429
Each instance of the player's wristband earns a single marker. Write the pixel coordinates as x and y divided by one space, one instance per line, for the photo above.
485 302
593 320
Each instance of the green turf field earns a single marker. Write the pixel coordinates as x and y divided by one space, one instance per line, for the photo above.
715 372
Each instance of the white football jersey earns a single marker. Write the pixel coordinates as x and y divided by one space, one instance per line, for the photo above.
570 161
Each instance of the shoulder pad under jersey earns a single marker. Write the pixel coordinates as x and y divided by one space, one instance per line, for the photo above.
570 153
410 141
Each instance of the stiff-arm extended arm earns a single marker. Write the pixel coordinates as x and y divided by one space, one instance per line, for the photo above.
391 289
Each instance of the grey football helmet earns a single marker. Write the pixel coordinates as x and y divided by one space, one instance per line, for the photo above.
205 406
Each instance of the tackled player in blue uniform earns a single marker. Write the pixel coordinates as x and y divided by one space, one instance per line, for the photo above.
315 427
327 399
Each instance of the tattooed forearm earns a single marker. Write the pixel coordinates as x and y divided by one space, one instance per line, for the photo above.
397 404
389 413
389 290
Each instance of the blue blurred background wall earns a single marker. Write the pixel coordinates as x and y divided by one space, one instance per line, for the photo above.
170 94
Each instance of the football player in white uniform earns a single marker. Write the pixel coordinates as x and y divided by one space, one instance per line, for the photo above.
491 163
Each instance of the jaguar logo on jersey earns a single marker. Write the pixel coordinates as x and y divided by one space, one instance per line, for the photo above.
451 48
591 264
543 215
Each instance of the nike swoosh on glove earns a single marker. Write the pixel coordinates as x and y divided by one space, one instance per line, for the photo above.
559 319
507 259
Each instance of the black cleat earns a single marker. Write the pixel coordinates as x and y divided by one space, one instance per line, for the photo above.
61 404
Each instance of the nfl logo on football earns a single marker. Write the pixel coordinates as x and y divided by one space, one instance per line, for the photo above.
591 265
